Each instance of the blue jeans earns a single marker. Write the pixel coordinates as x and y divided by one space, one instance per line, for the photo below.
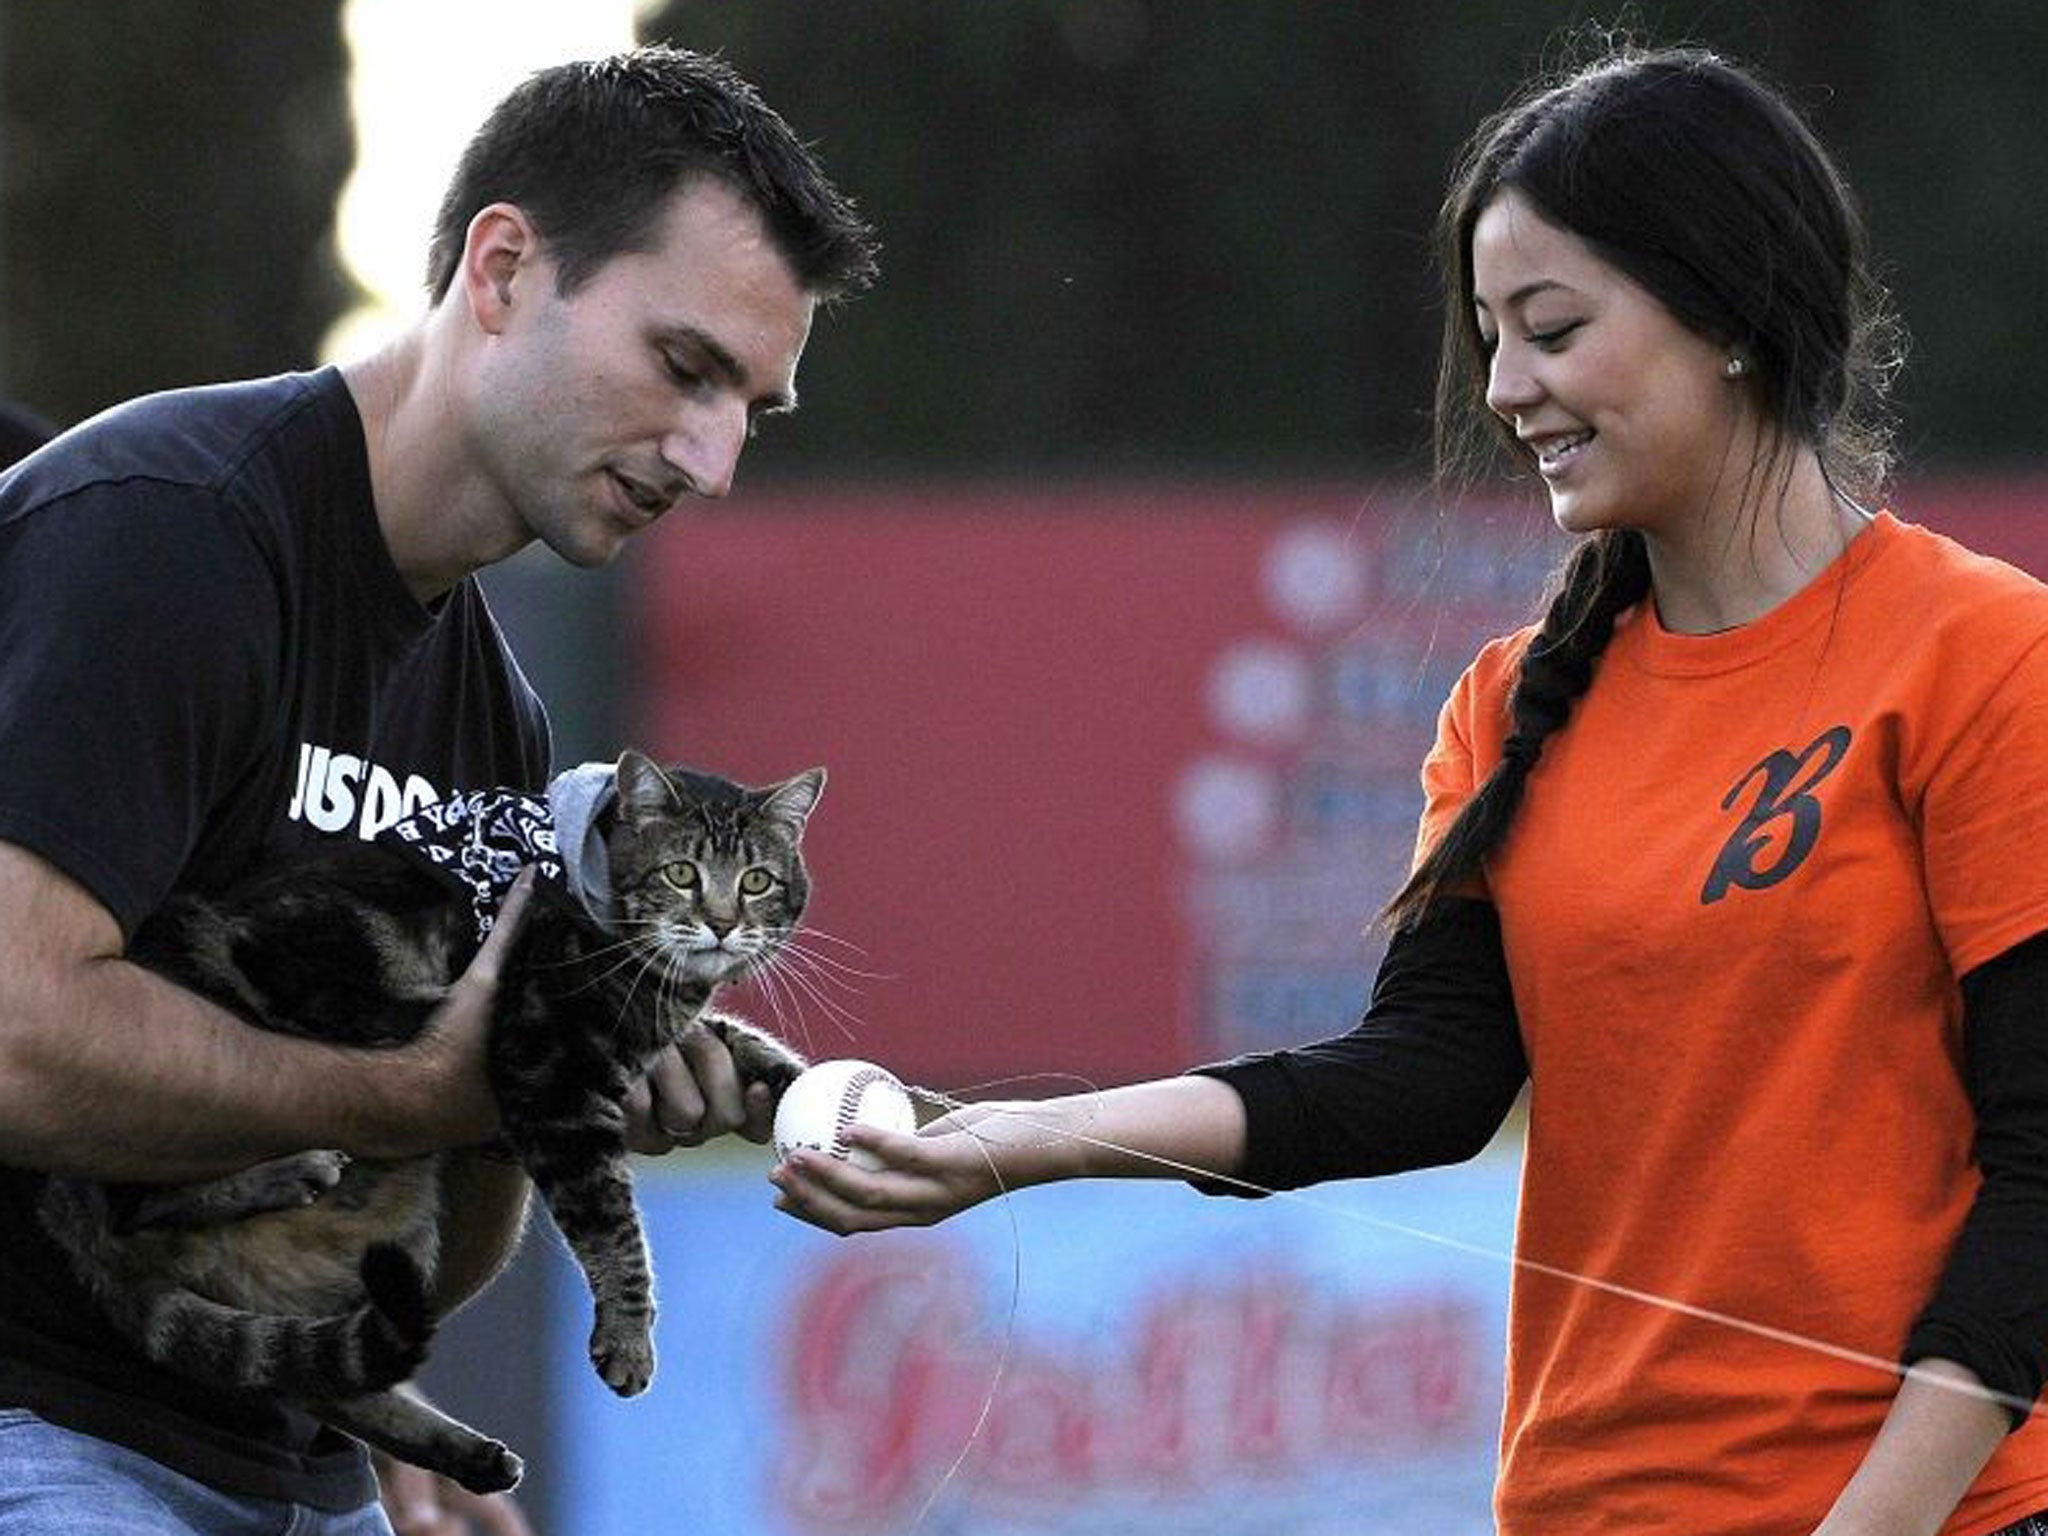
57 1482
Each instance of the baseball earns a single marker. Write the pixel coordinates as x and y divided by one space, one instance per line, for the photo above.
817 1108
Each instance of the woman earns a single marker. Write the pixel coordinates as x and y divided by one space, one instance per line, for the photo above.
1739 858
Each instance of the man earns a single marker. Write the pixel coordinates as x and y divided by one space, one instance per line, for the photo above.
238 618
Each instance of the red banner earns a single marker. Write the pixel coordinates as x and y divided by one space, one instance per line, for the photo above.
1118 776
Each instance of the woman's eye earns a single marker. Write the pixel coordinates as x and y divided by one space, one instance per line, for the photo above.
1550 338
683 876
756 882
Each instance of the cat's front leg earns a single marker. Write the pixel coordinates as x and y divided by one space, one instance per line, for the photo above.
758 1055
580 1169
559 1070
282 1184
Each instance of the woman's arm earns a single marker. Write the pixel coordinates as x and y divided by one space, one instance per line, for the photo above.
1941 1430
1426 1078
1147 1130
1979 1351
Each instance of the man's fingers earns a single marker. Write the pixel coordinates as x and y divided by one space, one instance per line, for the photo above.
490 959
760 1122
412 1500
693 1093
490 1514
717 1078
679 1106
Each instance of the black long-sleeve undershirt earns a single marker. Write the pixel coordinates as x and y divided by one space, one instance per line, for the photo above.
1990 1311
1430 1072
1426 1078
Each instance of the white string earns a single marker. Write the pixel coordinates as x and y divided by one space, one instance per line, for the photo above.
995 1381
1970 1389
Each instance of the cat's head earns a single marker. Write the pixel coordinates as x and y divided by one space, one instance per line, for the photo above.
710 870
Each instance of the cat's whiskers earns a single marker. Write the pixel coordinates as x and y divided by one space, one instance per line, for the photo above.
828 964
633 948
800 981
667 980
788 1017
652 953
811 930
843 980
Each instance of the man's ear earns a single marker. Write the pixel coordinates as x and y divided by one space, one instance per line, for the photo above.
499 253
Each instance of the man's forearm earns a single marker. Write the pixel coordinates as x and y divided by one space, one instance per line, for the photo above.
122 1075
109 1071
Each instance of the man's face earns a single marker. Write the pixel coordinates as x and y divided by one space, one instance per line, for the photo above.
598 411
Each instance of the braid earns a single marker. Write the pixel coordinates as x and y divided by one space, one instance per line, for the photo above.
1605 575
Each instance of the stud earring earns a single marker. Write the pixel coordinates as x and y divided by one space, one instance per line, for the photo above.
1737 366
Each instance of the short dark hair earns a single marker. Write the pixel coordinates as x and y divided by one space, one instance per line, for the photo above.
591 152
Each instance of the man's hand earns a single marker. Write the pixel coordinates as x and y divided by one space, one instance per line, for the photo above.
422 1503
109 1071
442 1087
692 1095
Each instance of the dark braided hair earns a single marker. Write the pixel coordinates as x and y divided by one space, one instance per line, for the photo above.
1707 190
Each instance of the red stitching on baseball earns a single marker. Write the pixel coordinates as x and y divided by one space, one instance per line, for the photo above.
850 1096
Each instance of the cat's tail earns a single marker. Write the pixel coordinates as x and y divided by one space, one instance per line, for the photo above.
377 1344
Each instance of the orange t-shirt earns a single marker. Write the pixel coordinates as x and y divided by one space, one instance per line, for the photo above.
1736 901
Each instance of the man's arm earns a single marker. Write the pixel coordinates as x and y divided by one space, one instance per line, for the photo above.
108 1071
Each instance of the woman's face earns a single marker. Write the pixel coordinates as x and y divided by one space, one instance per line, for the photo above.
1631 419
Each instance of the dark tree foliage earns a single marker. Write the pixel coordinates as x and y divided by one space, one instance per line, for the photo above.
168 174
1191 234
1120 235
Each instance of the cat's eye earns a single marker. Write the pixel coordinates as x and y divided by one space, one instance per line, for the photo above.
756 882
683 875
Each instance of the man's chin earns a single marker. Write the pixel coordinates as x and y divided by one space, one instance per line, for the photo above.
590 551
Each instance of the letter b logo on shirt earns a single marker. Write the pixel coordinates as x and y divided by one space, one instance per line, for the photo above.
1784 819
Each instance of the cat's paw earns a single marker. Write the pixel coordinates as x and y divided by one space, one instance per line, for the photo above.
305 1178
626 1364
488 1467
282 1184
757 1055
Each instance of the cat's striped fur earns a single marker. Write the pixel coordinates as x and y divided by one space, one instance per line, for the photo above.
310 1278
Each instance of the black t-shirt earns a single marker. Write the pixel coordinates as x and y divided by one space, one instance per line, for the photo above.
207 660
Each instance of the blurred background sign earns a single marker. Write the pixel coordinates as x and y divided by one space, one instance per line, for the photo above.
1086 1360
1119 775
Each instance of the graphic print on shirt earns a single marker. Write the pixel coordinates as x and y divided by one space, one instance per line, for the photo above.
481 841
337 789
1783 821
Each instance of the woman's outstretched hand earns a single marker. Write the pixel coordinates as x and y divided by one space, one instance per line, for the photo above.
957 1161
1167 1129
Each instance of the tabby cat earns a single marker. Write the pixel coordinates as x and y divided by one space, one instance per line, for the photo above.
308 1279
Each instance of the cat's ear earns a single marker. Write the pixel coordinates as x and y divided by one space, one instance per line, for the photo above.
644 790
792 801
